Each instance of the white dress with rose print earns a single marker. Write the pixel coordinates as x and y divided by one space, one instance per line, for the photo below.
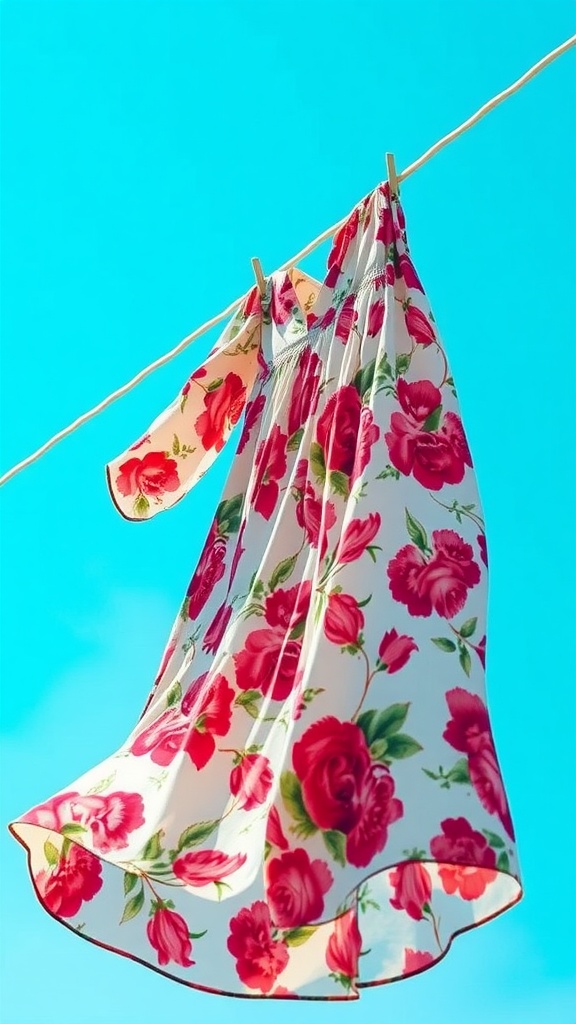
310 802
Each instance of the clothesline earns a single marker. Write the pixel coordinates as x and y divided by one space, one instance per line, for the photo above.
285 266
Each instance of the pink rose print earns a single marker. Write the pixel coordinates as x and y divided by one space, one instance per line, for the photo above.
254 410
346 432
162 739
481 538
295 888
215 632
415 960
253 304
340 246
269 468
439 583
269 661
238 552
209 571
394 650
259 957
357 537
408 272
224 403
386 230
274 833
434 454
251 781
342 789
76 880
111 817
467 862
305 391
151 475
413 888
375 318
282 301
344 946
347 318
168 935
138 444
201 867
288 608
343 620
169 651
309 510
469 732
418 325
211 711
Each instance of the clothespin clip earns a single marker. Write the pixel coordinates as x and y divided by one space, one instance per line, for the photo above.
392 176
260 279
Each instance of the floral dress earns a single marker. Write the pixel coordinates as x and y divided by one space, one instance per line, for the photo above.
310 802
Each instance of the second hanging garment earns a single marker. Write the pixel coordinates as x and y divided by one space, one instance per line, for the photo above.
310 802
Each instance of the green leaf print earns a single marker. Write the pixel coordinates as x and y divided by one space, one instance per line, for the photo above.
402 363
400 746
384 370
133 907
296 439
229 514
51 853
215 384
141 506
298 936
291 791
174 694
503 864
416 532
196 834
317 461
339 483
282 572
378 750
494 840
467 628
153 848
432 421
175 445
459 772
379 725
130 881
444 644
249 701
465 659
364 378
72 828
335 843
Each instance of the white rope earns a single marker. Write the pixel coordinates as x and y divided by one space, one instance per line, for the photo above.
285 266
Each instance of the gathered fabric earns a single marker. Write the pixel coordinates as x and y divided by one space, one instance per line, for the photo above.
310 801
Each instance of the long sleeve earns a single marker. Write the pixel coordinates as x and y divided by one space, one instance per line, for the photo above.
181 444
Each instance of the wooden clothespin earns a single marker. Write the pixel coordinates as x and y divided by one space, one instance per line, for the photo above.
258 273
392 176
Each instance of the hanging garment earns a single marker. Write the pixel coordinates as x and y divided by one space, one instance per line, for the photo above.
310 802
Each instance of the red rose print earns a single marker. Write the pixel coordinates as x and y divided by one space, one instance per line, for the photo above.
253 304
386 231
418 325
253 412
481 538
169 651
274 834
344 946
152 475
168 935
288 608
162 739
394 650
415 960
251 781
76 880
55 813
480 649
357 536
282 301
309 511
217 628
375 318
466 862
224 405
440 583
347 318
413 888
268 663
139 443
209 571
340 247
401 218
111 817
259 957
346 432
469 732
343 620
331 760
295 888
380 809
210 709
409 273
305 391
238 552
419 399
269 467
201 867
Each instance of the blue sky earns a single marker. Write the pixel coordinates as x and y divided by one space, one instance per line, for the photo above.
148 151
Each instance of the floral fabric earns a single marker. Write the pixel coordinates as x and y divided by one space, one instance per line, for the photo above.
311 801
